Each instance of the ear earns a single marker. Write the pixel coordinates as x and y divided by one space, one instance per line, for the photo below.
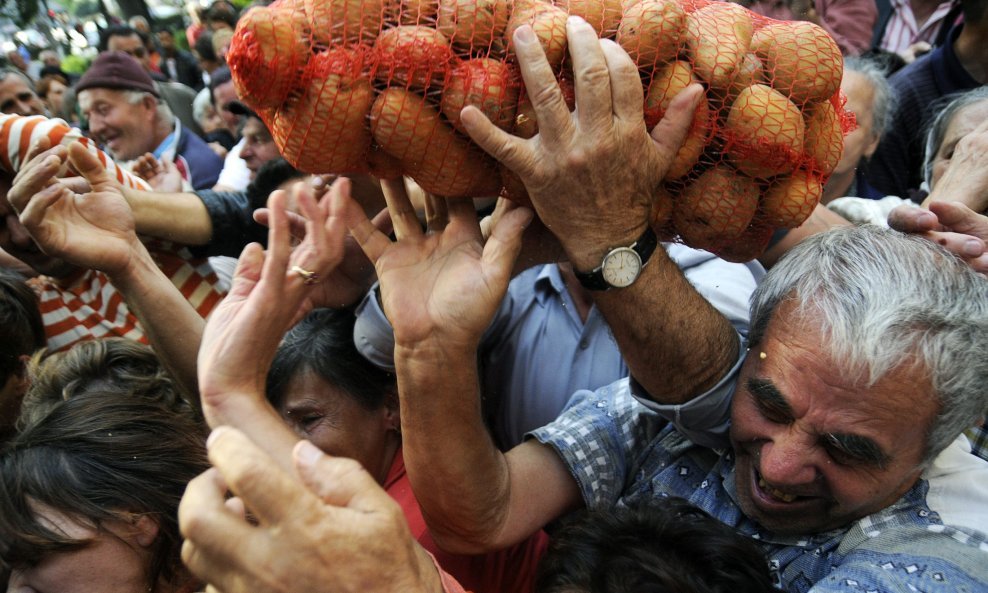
392 417
145 530
872 147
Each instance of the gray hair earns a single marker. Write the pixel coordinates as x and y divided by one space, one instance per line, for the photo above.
202 102
164 111
885 100
946 108
883 300
8 70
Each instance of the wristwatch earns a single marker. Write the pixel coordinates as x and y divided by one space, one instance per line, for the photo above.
621 266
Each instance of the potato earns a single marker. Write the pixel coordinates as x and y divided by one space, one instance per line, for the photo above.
750 245
716 208
344 20
413 56
651 31
718 37
526 124
267 55
801 60
790 200
490 85
324 130
603 15
764 132
549 24
431 153
473 24
411 12
824 136
665 85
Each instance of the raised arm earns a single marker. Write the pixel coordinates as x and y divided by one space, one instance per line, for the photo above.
591 176
96 230
440 288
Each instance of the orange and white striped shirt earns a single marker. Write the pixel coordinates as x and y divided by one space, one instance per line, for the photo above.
86 306
18 132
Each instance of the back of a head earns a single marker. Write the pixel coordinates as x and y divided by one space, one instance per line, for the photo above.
111 365
885 299
669 546
96 456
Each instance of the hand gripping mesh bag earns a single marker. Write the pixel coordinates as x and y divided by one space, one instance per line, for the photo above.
376 86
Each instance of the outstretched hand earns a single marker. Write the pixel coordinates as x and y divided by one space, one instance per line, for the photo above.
590 174
953 225
331 524
270 292
93 228
161 174
442 284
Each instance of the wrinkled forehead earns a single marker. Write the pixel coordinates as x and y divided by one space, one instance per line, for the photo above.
965 120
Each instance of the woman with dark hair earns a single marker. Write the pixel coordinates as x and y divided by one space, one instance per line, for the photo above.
347 407
90 487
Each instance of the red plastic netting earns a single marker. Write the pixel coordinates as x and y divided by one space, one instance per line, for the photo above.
376 86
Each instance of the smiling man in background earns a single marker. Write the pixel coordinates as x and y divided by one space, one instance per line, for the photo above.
126 115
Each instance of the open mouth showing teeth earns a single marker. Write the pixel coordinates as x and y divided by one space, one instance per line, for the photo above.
774 493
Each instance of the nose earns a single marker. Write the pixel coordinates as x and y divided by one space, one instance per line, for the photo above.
26 108
789 458
96 126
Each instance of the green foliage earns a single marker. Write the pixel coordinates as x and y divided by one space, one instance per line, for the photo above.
74 64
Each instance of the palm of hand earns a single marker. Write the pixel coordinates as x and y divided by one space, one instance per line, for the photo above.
439 281
95 229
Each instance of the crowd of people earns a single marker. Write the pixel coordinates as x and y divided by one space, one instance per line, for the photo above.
243 378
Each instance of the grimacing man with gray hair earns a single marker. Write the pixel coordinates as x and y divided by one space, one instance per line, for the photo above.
835 443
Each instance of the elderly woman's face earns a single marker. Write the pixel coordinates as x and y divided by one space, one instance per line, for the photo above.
116 559
862 141
333 421
962 124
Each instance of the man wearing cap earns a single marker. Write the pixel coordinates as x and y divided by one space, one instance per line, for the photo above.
126 114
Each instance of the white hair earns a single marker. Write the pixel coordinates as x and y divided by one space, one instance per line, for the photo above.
884 300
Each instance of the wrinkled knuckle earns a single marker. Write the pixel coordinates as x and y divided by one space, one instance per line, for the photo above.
548 97
577 159
595 74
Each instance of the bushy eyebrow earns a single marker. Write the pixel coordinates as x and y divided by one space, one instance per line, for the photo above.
769 395
858 447
861 448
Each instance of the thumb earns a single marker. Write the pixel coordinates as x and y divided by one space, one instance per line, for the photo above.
89 166
338 481
248 271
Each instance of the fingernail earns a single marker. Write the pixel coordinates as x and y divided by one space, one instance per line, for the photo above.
574 20
307 454
525 34
215 434
974 247
927 217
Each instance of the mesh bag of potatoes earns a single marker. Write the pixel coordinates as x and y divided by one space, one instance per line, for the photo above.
376 86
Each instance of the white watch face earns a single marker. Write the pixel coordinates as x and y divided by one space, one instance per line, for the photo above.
621 267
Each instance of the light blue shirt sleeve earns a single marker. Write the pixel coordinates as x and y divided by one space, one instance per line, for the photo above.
372 333
706 418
